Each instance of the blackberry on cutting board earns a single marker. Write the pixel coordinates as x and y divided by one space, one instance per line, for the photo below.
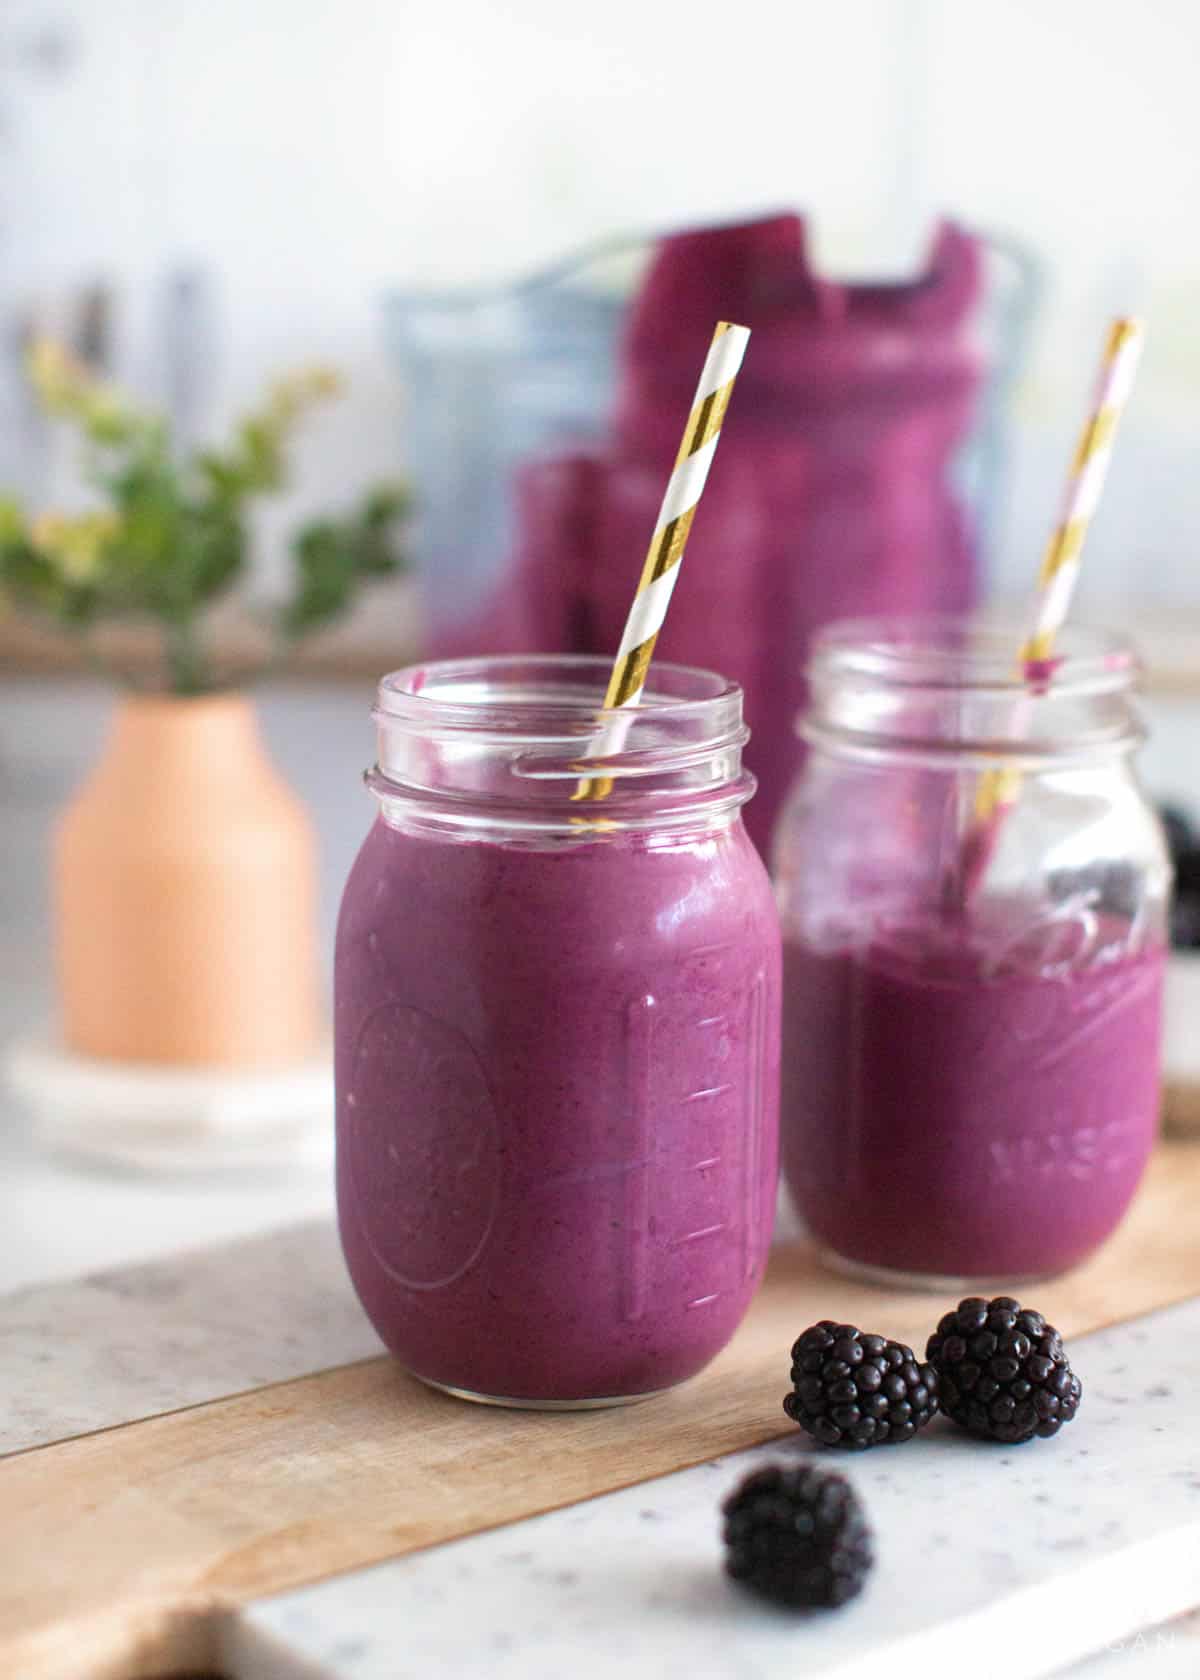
853 1390
1185 901
1002 1371
797 1534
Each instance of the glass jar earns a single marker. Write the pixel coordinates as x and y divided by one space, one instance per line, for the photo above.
556 1034
972 1007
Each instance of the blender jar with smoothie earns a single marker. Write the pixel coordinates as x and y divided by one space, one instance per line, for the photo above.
970 1063
557 1034
862 475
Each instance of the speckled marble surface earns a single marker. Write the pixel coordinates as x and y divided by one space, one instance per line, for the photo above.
1028 1558
127 1343
119 1345
1170 1651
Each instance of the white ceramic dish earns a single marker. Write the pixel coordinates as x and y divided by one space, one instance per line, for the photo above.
173 1119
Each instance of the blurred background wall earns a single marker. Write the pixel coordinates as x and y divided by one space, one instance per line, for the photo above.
217 188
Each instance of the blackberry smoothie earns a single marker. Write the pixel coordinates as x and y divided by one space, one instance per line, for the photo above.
971 1059
557 1077
941 1119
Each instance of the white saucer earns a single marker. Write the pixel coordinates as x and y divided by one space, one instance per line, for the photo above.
164 1119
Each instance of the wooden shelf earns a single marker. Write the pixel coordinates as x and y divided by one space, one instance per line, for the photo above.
384 632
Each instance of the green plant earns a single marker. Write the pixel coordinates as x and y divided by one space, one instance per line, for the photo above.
171 538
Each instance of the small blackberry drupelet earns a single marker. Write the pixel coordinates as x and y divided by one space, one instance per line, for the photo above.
797 1535
851 1390
1002 1372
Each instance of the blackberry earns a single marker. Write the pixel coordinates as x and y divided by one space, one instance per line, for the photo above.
851 1390
1002 1372
1185 900
797 1535
1179 830
1185 922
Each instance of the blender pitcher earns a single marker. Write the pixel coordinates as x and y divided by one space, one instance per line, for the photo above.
493 379
859 468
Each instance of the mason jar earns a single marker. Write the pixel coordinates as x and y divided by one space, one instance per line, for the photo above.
557 1033
973 890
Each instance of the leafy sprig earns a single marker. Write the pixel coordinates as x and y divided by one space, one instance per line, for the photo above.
173 536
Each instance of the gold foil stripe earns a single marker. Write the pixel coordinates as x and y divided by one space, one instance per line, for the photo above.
630 675
628 678
985 796
596 787
984 803
1119 336
1006 786
1038 648
1098 434
1065 545
996 788
704 422
667 549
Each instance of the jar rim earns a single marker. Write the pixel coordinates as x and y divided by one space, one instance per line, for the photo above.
525 741
560 693
972 653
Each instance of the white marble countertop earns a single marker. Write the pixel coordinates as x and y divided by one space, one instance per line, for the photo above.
997 1563
133 1342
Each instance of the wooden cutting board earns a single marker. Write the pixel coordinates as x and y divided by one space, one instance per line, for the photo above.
122 1549
1181 1108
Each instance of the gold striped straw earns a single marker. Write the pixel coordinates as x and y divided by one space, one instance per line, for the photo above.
661 568
998 788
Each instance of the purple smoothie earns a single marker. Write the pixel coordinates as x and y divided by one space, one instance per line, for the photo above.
945 1117
557 1091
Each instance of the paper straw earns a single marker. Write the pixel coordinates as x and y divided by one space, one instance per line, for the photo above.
661 568
998 789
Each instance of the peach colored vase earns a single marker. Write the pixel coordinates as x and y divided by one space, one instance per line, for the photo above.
185 889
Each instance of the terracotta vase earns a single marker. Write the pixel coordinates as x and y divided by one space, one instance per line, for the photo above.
185 895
